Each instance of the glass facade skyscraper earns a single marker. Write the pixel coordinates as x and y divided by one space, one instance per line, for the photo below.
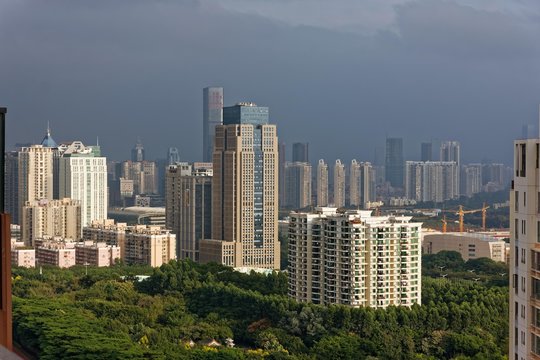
394 162
212 116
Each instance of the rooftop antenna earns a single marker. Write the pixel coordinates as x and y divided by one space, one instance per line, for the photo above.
97 140
48 128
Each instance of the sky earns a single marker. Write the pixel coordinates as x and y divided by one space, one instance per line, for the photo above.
342 75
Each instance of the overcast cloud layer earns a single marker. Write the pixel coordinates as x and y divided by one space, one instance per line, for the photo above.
342 75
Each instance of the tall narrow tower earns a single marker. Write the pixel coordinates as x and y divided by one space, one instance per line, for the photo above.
394 162
322 183
244 190
212 117
339 184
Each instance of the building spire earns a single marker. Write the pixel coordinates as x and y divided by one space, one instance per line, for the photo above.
48 128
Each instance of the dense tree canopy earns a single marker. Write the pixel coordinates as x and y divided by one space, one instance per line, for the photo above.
182 306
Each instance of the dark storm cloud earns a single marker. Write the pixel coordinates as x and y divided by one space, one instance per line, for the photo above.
122 69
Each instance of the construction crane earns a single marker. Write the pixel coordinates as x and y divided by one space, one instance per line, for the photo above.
462 212
444 222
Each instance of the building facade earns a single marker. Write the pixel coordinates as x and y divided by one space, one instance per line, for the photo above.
56 253
11 183
212 117
297 185
83 177
35 175
525 253
244 190
394 162
426 151
434 181
149 245
96 254
361 184
322 183
469 245
339 184
189 206
353 258
51 218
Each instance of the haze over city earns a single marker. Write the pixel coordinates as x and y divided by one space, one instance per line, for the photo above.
339 75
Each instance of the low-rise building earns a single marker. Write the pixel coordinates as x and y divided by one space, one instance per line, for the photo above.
96 254
149 245
469 245
56 253
24 257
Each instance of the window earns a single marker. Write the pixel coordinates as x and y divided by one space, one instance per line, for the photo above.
523 311
523 254
522 284
516 200
516 256
516 229
524 199
523 227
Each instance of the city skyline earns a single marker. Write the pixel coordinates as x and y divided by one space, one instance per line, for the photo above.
403 83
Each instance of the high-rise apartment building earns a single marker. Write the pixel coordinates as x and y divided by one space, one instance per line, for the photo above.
83 176
471 179
297 185
244 191
377 262
300 152
149 245
11 183
361 184
137 153
96 254
35 175
426 151
450 151
322 183
109 232
339 184
435 181
51 218
524 253
394 162
189 206
143 174
212 117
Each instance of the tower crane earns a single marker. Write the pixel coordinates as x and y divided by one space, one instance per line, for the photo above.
462 212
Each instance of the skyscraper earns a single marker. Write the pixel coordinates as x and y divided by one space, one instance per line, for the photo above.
394 162
244 190
83 176
426 151
137 153
173 156
524 314
189 206
339 184
322 183
297 185
362 184
300 152
212 117
35 175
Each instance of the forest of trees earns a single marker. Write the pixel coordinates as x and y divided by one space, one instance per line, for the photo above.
65 314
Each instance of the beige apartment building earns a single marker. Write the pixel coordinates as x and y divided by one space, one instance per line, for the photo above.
361 184
322 183
188 203
524 322
51 218
244 191
339 184
35 175
353 258
149 245
469 245
108 232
